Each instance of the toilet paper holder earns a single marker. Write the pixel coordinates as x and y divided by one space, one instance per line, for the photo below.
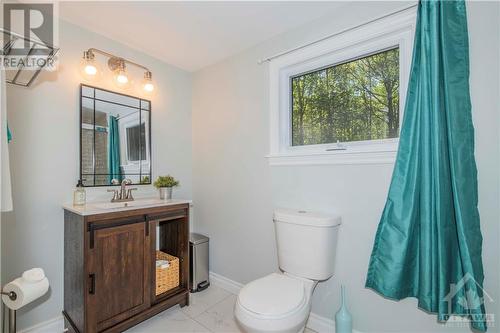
12 313
32 285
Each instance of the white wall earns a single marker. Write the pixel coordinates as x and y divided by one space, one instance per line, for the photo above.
45 154
235 188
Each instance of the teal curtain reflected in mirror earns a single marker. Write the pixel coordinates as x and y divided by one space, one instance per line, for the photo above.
114 150
9 134
428 243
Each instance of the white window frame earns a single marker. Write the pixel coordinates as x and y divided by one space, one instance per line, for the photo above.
133 167
393 31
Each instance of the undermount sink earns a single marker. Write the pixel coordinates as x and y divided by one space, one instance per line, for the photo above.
135 203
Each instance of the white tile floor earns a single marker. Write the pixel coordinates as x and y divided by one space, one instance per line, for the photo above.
210 311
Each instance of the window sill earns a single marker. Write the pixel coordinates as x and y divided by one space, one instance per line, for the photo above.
336 157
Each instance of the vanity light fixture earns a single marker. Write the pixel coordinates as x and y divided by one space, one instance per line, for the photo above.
90 69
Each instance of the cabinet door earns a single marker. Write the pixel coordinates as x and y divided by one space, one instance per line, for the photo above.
119 268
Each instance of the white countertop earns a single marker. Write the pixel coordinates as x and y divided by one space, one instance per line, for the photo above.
103 207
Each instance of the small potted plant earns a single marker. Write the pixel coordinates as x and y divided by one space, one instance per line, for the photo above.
165 185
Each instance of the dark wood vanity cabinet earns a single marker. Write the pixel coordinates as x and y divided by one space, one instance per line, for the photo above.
110 266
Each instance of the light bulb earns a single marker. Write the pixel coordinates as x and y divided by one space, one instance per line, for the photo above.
121 78
149 87
147 83
120 75
89 67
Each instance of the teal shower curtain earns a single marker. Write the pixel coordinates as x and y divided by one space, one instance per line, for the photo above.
428 243
114 150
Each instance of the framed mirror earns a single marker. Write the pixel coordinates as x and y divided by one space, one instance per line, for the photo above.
115 137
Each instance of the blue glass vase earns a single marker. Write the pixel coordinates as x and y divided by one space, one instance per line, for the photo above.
343 319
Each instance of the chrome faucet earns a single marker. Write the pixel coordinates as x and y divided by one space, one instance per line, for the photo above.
124 194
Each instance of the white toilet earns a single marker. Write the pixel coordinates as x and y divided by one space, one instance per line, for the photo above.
281 302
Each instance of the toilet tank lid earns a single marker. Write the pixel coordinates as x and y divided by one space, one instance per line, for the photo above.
308 218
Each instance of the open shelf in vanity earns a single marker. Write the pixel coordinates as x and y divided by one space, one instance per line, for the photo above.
168 247
112 280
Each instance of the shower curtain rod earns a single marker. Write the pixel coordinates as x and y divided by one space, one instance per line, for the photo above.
128 114
268 59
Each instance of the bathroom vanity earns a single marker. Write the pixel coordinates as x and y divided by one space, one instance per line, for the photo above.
112 280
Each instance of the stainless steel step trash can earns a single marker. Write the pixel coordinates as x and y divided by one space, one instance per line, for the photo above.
198 262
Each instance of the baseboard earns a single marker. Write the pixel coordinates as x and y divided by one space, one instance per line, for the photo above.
320 324
315 322
54 325
227 284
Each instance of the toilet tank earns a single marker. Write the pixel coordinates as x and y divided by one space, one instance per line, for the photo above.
306 242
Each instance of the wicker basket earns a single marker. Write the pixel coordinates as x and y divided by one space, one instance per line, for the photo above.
167 278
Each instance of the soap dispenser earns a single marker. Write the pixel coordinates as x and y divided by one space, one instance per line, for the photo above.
79 196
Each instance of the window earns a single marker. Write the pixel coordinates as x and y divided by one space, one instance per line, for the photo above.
353 101
341 100
136 142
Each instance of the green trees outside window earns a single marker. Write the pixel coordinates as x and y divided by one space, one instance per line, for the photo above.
353 101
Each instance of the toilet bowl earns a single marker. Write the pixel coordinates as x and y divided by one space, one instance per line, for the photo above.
281 302
275 303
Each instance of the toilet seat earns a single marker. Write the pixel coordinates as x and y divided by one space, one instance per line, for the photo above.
275 303
273 296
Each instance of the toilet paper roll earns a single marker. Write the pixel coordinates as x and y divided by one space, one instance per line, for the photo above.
33 275
26 292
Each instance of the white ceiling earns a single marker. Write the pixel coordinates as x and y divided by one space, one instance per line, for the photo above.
192 35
